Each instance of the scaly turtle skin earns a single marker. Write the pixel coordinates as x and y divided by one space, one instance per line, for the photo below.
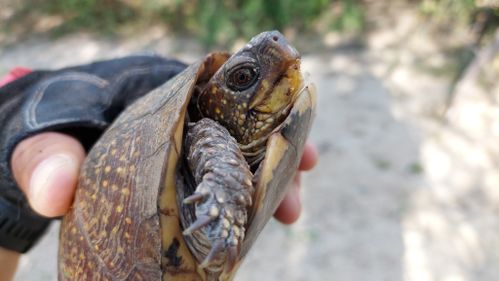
182 183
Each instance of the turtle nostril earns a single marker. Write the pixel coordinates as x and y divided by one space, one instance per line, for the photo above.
275 38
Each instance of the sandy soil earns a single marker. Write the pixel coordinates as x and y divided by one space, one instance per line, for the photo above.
402 191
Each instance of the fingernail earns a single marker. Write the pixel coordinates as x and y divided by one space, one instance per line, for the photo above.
46 173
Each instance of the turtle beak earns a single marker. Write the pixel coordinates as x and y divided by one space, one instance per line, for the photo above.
288 52
283 92
279 85
274 40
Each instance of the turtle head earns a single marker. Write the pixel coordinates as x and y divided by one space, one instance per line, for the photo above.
253 91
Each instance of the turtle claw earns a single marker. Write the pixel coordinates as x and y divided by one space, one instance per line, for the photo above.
195 197
214 252
198 224
219 247
225 244
232 254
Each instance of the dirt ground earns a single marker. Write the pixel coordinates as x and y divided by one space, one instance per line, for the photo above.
404 190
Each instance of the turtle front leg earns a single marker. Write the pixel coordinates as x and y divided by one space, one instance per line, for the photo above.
223 194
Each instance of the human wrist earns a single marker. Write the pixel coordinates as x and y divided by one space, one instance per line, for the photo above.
8 264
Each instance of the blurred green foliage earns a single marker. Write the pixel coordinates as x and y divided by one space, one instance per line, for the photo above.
449 11
100 15
217 21
214 22
220 22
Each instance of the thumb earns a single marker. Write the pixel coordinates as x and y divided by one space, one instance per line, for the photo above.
46 167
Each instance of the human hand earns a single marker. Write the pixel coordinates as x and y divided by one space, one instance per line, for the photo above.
290 208
46 168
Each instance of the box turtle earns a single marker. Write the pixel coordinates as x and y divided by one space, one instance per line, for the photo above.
182 183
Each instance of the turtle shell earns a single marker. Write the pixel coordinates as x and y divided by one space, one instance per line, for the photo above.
125 223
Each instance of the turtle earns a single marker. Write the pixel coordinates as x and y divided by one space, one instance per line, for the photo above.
181 184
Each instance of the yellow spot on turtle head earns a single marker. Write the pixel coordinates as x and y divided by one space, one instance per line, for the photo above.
120 250
265 84
107 169
125 191
113 152
114 230
120 170
217 110
119 208
128 220
105 183
94 197
96 247
114 187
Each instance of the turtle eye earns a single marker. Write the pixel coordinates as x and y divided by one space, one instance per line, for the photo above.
241 78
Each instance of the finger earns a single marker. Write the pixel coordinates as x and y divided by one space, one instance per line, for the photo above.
309 157
46 168
290 208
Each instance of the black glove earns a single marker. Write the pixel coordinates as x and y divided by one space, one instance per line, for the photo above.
81 101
